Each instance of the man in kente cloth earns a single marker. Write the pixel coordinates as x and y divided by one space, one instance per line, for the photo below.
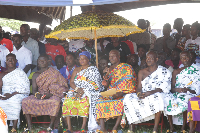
121 80
185 84
153 82
14 87
48 87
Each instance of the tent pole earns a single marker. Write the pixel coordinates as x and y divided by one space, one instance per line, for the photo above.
95 36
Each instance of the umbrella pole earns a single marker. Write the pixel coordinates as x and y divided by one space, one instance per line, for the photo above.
95 36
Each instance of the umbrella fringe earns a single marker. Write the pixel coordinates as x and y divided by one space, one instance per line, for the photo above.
53 34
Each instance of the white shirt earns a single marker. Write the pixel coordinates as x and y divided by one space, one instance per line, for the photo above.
3 52
24 57
32 45
193 45
75 45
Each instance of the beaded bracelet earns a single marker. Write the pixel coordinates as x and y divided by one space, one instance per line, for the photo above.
36 94
138 93
76 89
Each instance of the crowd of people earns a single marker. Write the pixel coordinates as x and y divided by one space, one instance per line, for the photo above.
139 78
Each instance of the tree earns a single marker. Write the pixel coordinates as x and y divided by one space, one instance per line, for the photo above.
13 24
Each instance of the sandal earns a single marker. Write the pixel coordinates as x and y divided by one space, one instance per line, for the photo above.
183 131
66 131
26 130
49 130
99 131
82 131
114 131
13 130
129 131
168 131
154 132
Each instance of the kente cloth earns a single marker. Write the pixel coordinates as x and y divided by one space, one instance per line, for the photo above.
123 79
90 80
3 121
76 107
15 81
194 111
49 81
177 103
141 110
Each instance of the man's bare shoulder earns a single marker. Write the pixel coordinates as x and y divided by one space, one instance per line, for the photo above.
177 71
2 74
145 70
36 74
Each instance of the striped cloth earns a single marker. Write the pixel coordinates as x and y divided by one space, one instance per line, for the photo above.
49 81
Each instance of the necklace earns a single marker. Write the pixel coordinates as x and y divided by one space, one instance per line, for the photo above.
80 77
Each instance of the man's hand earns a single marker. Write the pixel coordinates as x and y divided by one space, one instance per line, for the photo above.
118 95
106 70
142 95
7 96
48 95
80 90
182 90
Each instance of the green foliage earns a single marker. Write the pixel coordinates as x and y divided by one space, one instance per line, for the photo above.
13 24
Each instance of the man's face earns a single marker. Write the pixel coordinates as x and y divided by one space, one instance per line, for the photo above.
175 55
90 43
113 57
114 39
17 42
151 59
10 61
23 31
185 59
141 52
132 60
70 61
59 63
194 31
42 62
103 64
185 32
34 34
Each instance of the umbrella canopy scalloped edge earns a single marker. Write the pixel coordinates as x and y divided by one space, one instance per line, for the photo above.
53 34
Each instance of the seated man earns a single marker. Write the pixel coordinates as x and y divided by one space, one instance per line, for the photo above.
174 62
185 84
142 56
14 86
103 63
153 82
71 65
122 80
59 59
48 86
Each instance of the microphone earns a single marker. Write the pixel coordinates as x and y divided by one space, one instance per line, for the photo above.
109 64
